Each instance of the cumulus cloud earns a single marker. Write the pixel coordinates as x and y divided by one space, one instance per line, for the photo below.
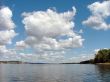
7 33
6 22
47 56
48 23
13 55
49 34
6 36
100 12
8 54
6 26
20 45
3 49
50 30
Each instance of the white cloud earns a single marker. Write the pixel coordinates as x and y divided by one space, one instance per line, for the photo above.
3 50
7 33
100 12
46 30
13 55
21 45
6 36
81 57
49 33
6 26
48 23
6 22
8 54
51 56
47 56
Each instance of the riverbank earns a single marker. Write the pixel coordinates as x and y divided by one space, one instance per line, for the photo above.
12 62
103 63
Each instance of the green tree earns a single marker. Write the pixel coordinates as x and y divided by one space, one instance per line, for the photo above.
102 56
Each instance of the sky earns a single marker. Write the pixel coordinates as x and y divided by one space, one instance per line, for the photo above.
53 31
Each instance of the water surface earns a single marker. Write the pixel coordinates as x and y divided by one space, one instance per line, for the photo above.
54 73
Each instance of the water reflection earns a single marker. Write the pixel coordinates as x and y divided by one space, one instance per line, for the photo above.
103 72
54 73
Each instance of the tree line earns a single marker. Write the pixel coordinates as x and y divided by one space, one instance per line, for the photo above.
102 56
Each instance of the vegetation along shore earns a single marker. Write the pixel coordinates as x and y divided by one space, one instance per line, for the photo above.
101 57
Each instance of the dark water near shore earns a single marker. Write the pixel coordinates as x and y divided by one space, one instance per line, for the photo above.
54 73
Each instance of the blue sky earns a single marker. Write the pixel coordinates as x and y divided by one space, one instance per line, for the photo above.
94 33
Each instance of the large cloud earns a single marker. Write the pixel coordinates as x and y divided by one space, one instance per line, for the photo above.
100 13
6 22
6 26
7 33
49 34
50 30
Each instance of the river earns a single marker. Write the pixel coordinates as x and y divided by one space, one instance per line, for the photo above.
54 73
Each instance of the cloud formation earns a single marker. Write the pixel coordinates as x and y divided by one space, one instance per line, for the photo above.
49 34
100 12
20 45
50 30
6 26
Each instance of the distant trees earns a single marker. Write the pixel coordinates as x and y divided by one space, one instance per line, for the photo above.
91 61
102 56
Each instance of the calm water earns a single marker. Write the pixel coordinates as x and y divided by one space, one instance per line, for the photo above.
54 73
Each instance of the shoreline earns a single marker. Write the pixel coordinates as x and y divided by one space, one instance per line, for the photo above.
103 63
